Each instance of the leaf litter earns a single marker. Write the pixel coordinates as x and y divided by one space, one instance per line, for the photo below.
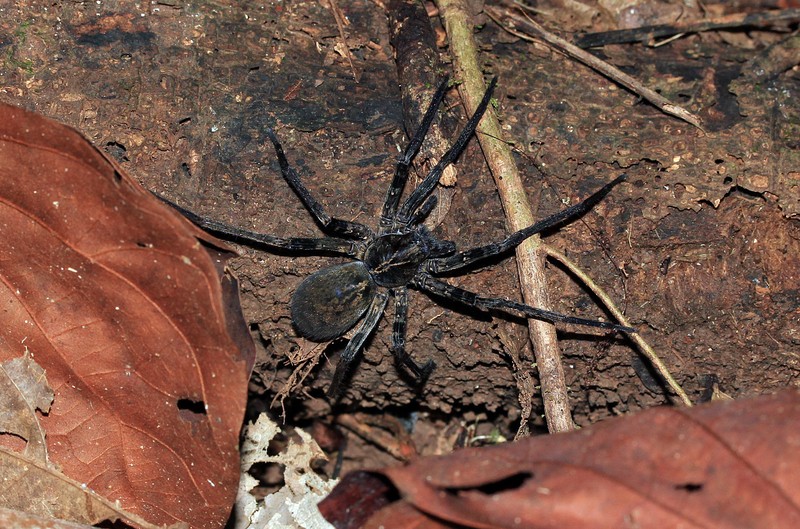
23 391
294 506
131 313
30 483
688 199
730 464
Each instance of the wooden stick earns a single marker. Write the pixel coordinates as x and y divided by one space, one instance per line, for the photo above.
643 346
519 214
340 23
649 34
394 443
527 29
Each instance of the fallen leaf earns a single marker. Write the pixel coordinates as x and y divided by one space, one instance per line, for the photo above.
293 506
729 464
30 483
36 488
23 390
128 309
11 519
361 494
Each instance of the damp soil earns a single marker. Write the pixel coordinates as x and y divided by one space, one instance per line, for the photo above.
699 247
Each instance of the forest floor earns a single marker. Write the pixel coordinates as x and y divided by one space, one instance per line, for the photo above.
700 247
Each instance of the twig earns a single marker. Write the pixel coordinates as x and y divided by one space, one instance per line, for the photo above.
649 34
527 29
518 213
337 14
397 444
644 347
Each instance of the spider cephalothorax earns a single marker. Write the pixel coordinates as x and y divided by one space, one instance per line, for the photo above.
402 253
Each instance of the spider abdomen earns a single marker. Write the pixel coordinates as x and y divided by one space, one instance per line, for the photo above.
329 302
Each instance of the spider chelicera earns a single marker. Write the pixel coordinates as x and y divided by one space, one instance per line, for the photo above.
402 254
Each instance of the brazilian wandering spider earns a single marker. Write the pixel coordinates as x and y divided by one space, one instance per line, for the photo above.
402 254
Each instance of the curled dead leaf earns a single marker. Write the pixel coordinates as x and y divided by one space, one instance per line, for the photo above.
729 464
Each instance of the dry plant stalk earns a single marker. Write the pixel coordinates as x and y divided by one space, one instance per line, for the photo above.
604 298
391 438
530 259
341 21
530 254
527 29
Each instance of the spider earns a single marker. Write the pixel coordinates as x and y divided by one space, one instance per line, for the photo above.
402 254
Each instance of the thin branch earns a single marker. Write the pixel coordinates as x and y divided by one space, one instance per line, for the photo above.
394 441
649 34
644 347
527 29
340 23
518 213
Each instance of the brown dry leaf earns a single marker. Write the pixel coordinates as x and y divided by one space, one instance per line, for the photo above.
134 321
36 488
724 465
10 519
23 390
30 484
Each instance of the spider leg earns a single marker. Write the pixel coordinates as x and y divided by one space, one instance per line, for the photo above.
421 214
425 188
355 344
404 162
421 372
331 225
430 284
467 257
302 244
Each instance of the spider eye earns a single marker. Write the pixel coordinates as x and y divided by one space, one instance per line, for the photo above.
329 302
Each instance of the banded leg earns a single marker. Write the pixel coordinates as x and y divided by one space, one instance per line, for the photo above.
404 162
467 257
331 225
430 284
300 244
356 343
425 188
421 372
